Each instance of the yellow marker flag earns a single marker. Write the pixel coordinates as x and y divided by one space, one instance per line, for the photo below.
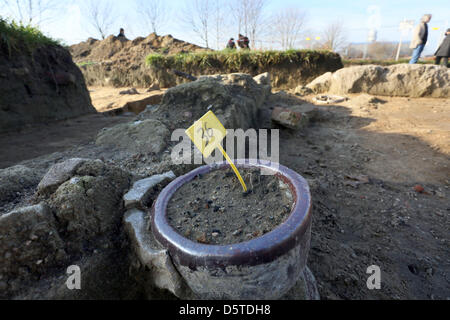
308 38
207 133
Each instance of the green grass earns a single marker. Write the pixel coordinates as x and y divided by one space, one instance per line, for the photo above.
237 59
16 37
358 62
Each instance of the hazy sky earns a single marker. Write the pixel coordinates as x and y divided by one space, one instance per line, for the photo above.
70 24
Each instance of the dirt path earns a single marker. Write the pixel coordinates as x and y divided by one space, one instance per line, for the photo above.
37 140
108 98
44 139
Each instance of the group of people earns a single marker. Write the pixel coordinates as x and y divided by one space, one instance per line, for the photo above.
420 37
243 43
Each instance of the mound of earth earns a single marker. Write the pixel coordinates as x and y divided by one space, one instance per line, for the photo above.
403 80
121 62
42 86
127 51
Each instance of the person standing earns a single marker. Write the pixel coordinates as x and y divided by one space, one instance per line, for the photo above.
443 52
420 37
121 33
243 42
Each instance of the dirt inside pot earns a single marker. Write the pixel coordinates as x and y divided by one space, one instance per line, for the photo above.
213 209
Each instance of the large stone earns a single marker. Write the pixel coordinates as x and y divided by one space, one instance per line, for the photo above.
321 83
138 195
16 179
141 136
235 99
58 174
88 207
29 245
79 223
397 80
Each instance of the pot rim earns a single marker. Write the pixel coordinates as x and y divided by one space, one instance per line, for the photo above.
262 249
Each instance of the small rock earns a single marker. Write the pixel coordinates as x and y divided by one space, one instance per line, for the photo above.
58 174
328 99
129 91
287 118
202 238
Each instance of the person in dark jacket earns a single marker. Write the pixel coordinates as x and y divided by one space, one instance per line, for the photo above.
443 52
231 44
243 42
121 33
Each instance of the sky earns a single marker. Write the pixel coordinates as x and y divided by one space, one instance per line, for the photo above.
70 24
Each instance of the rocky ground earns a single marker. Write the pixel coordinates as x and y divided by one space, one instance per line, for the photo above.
378 169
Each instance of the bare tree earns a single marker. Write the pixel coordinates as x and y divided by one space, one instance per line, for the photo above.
287 25
153 14
334 36
249 16
101 16
32 12
219 21
197 17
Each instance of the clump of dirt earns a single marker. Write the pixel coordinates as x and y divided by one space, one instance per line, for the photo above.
213 208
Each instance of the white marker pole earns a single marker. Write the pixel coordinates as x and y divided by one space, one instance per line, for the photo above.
398 49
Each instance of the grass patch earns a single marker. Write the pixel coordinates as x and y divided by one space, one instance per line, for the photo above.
17 38
360 62
235 60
